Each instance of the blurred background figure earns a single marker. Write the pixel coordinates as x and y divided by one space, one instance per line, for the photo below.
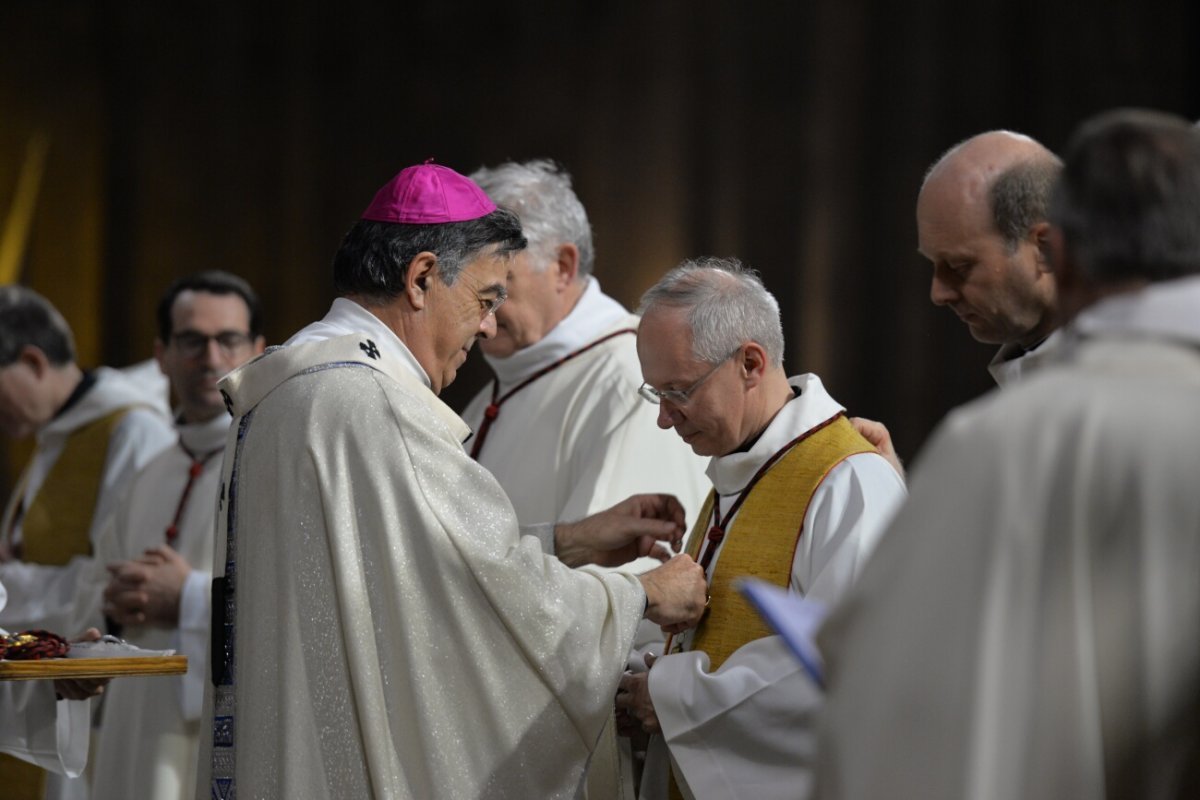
158 545
94 430
1035 602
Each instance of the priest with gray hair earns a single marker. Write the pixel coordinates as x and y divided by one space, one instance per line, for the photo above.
799 499
561 425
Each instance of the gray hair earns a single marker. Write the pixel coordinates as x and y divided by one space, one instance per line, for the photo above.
727 305
1128 203
28 319
1020 198
540 193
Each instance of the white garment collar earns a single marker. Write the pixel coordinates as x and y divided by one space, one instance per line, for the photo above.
204 437
246 386
1012 364
346 317
730 474
112 390
1165 309
593 316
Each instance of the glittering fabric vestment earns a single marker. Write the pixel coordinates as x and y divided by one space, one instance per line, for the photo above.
389 633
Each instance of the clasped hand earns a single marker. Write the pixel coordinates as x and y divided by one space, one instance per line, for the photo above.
146 591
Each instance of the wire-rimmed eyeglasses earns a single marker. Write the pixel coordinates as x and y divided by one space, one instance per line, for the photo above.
680 397
193 345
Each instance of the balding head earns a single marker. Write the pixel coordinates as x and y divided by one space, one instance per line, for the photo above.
981 221
1010 175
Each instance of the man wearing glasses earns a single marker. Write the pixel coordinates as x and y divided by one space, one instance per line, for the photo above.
561 425
158 546
386 631
799 499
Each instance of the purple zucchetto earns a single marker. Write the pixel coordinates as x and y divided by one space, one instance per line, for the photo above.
429 194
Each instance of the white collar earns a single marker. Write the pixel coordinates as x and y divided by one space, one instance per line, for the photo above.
812 406
1164 309
247 385
593 316
346 317
113 389
199 438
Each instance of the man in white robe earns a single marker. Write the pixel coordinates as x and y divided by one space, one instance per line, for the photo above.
1028 626
386 631
981 222
561 426
43 393
569 435
158 545
745 728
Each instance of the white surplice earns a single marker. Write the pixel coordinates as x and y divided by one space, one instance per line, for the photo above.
43 596
149 738
580 439
392 634
36 727
747 729
1027 628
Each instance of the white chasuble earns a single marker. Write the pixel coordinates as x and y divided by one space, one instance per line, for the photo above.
387 631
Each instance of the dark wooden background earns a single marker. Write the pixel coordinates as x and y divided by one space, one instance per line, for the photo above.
794 135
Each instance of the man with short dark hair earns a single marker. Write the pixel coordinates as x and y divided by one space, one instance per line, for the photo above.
1027 626
981 221
94 430
158 546
386 630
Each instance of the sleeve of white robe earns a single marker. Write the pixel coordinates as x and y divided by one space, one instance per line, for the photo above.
192 638
848 513
747 729
42 596
35 727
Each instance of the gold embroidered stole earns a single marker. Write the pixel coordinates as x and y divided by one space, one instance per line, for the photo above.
763 538
56 525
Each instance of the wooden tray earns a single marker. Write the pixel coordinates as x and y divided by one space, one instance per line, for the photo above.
54 668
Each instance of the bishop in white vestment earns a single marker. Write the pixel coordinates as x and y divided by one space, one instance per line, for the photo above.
385 630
